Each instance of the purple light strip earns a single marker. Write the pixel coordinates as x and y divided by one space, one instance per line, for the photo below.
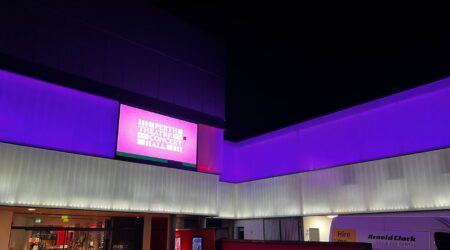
412 121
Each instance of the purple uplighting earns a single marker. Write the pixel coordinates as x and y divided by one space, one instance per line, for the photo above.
40 114
210 149
409 122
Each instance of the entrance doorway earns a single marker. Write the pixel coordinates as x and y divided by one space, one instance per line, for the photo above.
37 232
55 238
45 228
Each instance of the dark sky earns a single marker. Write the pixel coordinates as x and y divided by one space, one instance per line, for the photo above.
288 63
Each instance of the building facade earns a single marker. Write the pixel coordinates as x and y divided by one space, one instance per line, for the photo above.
112 137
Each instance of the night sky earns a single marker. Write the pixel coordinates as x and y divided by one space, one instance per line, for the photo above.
287 63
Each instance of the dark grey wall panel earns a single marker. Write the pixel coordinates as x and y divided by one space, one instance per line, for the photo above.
126 44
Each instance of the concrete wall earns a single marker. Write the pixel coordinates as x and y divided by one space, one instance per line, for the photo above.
253 229
323 223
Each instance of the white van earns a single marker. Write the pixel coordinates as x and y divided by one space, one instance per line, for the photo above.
412 232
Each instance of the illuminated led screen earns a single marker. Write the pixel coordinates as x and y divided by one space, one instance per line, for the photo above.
149 136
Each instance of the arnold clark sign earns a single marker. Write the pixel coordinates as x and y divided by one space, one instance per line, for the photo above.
385 240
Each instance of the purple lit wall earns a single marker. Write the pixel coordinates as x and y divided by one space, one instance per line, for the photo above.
409 122
40 114
210 149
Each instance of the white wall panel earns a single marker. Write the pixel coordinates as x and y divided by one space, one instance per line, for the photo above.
38 177
227 200
407 183
272 197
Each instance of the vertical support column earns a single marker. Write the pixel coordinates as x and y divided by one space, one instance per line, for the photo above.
201 222
147 233
264 229
5 228
280 237
301 235
232 230
171 231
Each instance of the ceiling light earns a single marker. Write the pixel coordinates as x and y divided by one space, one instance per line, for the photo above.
31 209
332 216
